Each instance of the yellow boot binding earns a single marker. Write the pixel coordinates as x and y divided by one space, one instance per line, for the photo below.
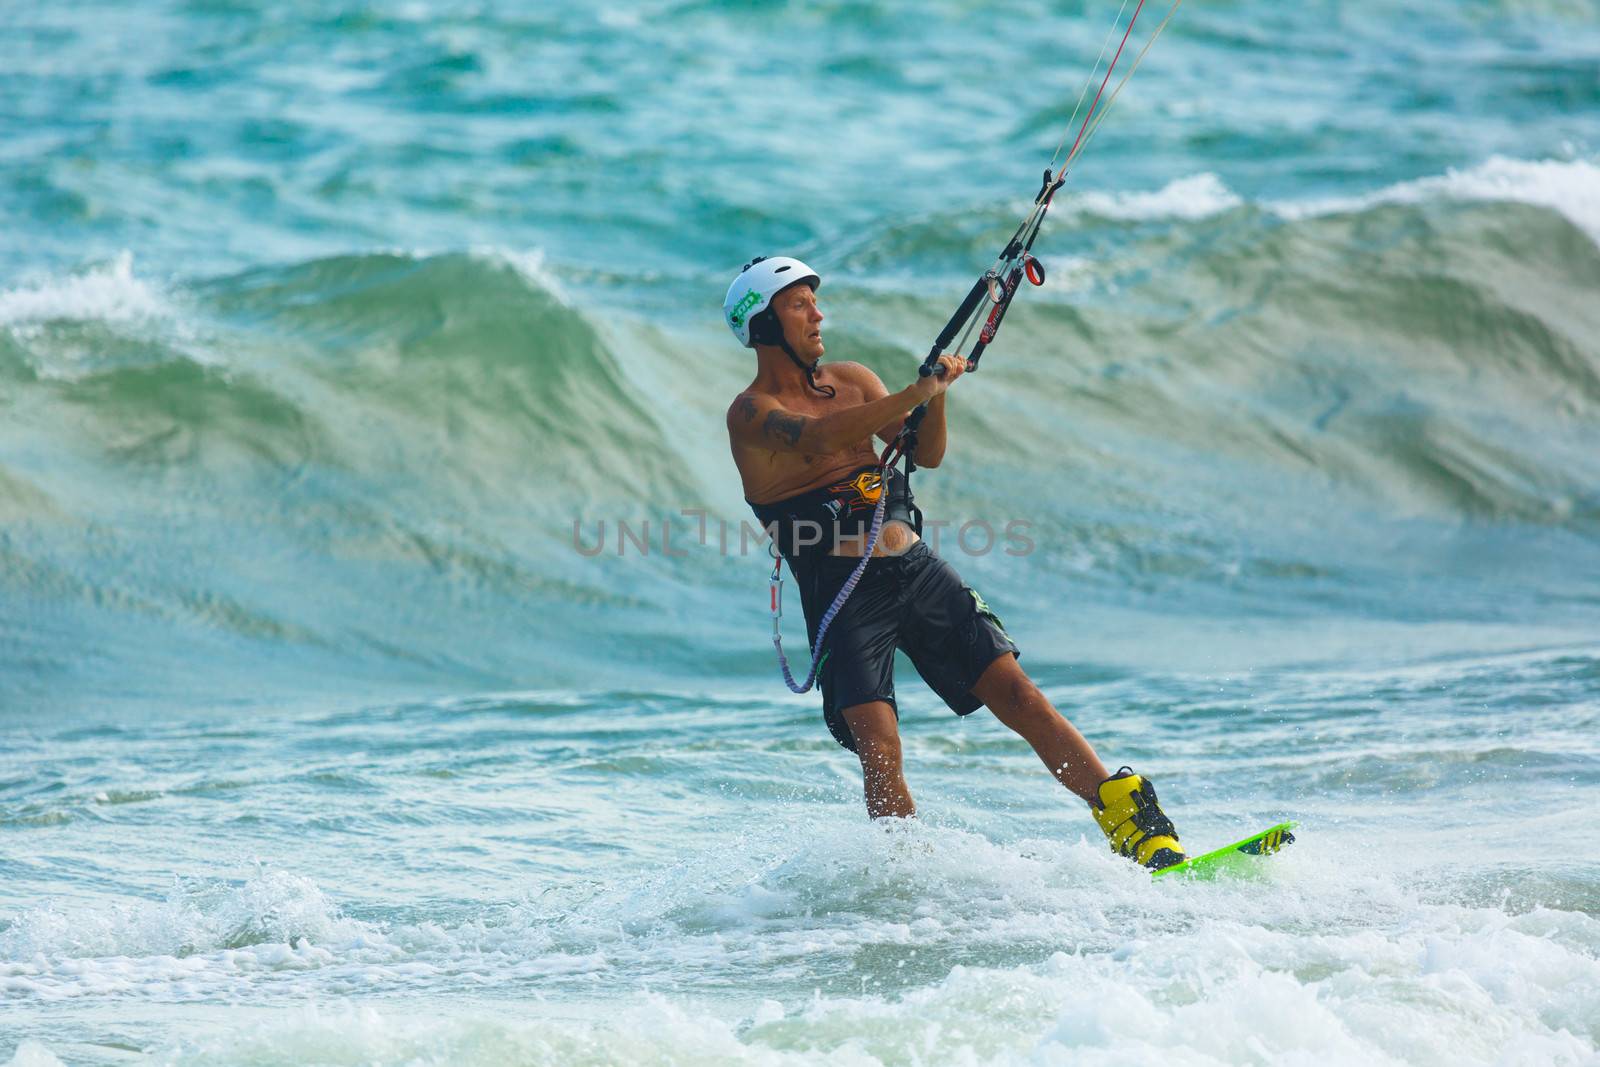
1134 823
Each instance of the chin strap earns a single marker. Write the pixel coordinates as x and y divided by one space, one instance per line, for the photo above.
765 330
808 369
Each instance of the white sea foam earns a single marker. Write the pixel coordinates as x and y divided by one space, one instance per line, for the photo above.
619 18
110 292
1230 994
201 936
1195 197
530 264
33 1054
46 316
1570 187
1069 953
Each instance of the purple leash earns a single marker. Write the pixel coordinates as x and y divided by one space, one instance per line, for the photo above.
838 601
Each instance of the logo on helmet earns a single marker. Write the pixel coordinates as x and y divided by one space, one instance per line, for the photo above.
748 301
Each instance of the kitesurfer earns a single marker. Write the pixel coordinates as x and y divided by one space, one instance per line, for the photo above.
801 435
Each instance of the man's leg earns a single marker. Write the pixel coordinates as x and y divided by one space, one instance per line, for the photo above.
1018 703
877 737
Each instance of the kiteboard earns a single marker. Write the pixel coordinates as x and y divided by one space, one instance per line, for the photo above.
1240 858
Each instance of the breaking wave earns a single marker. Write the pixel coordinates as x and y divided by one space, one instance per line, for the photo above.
351 456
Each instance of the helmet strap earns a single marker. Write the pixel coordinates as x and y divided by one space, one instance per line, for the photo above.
760 334
808 369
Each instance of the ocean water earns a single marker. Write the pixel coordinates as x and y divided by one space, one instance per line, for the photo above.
384 679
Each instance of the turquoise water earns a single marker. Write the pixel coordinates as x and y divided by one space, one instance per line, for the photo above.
334 339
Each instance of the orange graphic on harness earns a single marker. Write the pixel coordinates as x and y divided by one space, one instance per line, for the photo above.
867 487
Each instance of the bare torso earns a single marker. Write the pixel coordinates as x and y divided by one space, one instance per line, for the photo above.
770 475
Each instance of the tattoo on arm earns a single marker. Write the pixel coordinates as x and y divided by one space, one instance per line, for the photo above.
784 427
747 408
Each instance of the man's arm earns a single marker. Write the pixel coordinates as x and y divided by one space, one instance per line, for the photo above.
931 437
758 421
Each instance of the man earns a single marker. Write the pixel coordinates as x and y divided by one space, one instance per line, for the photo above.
802 439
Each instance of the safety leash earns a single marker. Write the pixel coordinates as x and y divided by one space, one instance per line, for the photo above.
839 599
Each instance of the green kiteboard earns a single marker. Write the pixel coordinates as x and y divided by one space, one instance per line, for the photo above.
1240 858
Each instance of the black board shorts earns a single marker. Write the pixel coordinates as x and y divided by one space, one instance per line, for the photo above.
915 602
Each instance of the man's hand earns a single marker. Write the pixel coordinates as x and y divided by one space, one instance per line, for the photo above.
934 384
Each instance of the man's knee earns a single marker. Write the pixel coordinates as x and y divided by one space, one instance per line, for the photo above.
876 733
1004 686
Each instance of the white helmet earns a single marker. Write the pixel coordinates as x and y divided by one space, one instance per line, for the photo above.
754 288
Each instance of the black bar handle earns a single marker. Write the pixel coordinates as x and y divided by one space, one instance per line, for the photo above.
980 289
